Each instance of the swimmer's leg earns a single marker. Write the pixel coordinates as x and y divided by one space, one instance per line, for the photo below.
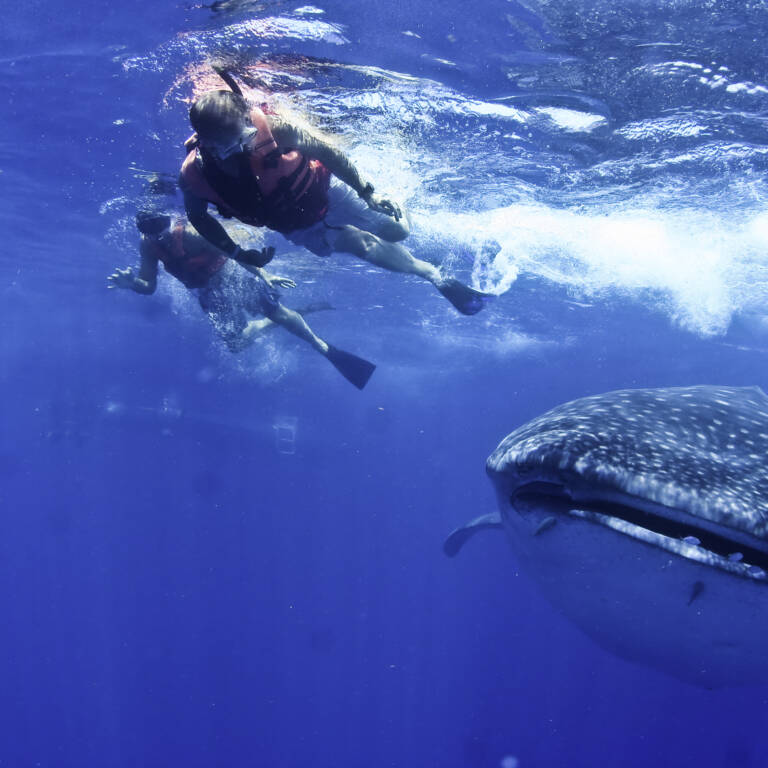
354 369
397 258
260 324
295 323
393 230
255 327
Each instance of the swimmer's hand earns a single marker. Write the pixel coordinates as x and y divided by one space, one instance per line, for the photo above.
254 257
122 278
125 278
275 281
382 205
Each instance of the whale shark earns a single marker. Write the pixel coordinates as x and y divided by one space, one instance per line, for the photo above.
642 516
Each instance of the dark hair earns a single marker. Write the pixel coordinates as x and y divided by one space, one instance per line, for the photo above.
217 112
152 223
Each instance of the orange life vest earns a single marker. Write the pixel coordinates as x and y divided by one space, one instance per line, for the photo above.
280 190
194 271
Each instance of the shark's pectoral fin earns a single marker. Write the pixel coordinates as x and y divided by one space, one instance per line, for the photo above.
460 536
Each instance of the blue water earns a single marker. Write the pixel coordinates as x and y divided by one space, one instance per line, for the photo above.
218 560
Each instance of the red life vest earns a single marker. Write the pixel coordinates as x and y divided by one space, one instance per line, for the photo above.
194 271
280 190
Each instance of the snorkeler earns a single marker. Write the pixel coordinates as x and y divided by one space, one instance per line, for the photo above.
232 298
267 172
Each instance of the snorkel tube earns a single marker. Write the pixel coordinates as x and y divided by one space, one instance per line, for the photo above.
226 76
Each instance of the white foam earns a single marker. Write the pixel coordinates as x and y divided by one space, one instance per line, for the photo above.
309 10
500 111
697 268
196 43
751 88
572 120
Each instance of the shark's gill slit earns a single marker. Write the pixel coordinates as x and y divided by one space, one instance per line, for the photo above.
555 496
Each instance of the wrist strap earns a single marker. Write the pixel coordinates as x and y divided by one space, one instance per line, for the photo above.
366 191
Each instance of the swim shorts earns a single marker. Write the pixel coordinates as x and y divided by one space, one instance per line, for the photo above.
344 207
233 297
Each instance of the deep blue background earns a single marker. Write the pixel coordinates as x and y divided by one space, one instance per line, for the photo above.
174 590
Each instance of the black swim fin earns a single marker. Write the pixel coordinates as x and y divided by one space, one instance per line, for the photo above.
467 300
351 367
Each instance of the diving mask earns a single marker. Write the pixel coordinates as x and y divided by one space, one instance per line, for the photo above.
222 150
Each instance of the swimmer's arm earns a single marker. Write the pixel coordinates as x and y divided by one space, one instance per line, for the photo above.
336 162
273 281
289 135
206 225
145 282
216 235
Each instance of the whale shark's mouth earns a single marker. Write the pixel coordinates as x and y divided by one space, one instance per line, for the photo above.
673 530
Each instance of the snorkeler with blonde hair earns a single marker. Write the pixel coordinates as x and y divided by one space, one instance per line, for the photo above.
269 172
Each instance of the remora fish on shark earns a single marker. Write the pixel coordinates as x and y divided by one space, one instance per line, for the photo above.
643 517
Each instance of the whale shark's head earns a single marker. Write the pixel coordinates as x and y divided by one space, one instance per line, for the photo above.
643 515
667 466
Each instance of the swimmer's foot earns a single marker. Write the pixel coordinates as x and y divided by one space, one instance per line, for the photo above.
353 368
467 300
